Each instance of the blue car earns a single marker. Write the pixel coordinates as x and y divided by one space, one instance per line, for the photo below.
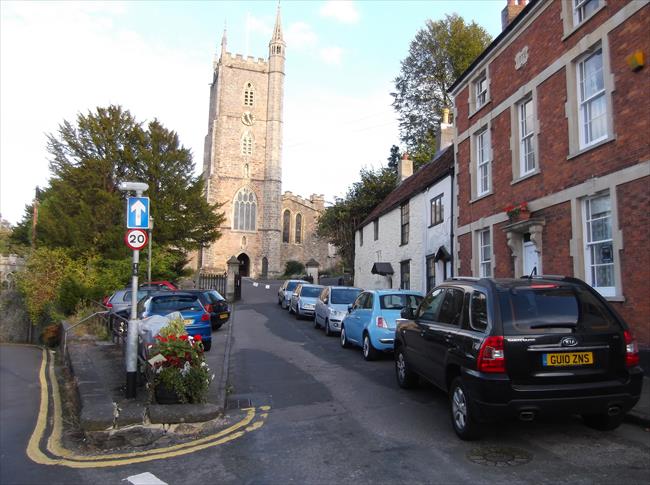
303 300
370 323
195 317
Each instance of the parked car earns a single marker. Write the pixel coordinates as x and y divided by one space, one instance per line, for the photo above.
215 304
332 307
119 303
303 300
195 317
286 290
158 285
520 348
370 323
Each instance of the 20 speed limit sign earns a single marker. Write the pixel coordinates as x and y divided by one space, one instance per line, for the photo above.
136 239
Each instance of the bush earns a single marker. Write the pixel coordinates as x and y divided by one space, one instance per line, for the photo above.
293 268
51 335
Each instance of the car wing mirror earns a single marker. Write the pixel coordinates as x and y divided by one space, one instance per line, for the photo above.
350 308
407 313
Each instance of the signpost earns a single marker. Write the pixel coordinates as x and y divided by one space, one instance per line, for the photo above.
137 220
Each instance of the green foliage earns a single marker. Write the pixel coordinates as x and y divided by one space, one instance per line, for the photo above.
174 327
292 268
337 224
438 54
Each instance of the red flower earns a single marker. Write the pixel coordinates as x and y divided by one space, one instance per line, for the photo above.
172 337
161 338
197 338
183 338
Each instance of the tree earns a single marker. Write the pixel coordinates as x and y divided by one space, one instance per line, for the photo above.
83 210
339 222
394 158
438 54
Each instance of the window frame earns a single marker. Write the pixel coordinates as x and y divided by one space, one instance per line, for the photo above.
297 237
430 263
483 148
249 94
589 264
585 104
286 226
524 136
360 236
404 211
237 211
375 228
246 144
406 263
480 86
436 211
484 263
578 6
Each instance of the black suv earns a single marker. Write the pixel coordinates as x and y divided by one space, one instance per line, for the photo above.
520 348
215 304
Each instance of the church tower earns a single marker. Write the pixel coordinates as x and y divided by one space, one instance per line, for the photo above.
242 158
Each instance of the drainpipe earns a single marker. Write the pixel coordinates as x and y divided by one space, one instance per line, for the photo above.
451 239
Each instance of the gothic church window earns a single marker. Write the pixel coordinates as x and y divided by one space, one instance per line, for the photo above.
245 211
286 226
246 144
248 95
298 239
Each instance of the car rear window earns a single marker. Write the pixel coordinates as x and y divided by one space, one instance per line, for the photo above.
397 301
214 296
529 310
175 303
311 291
344 296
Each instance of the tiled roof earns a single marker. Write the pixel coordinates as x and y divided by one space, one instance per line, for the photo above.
427 175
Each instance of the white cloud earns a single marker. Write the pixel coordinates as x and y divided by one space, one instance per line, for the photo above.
342 10
331 55
299 35
258 25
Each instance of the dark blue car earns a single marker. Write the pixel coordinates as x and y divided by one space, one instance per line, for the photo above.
195 317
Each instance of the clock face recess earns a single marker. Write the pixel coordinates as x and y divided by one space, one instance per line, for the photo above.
247 118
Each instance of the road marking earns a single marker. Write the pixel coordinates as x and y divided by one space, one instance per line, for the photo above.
145 478
56 454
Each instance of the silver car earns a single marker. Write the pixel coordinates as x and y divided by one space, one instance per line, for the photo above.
303 300
332 307
286 290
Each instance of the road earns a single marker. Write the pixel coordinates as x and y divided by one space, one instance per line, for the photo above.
335 418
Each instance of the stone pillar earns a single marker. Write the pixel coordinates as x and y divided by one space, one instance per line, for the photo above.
312 269
233 269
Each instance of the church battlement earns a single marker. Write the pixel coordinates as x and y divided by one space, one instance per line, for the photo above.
238 60
315 201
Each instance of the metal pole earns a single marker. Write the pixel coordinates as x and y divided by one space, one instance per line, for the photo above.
149 251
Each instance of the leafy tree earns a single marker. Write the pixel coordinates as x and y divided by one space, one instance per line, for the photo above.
83 210
337 224
438 54
394 158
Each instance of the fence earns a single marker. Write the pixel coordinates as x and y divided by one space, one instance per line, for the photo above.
213 282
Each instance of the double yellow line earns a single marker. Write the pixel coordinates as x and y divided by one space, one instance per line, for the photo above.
54 453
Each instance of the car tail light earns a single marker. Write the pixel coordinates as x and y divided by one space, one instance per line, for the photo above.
381 323
491 357
108 304
105 300
205 317
208 308
543 285
631 350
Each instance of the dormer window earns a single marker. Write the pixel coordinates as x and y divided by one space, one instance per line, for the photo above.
248 95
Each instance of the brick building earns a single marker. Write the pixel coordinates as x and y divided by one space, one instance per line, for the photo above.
242 166
555 113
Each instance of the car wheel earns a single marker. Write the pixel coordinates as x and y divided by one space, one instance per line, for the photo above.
406 378
603 422
369 352
328 330
207 346
297 313
316 324
280 301
344 339
462 419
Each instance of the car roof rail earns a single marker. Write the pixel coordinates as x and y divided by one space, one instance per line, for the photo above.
545 277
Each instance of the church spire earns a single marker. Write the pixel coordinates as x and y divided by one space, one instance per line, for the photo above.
224 41
277 30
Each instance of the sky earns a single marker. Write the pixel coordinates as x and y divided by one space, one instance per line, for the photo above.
59 59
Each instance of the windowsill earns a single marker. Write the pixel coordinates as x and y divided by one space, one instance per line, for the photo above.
527 176
436 224
616 298
575 28
477 110
403 244
591 147
479 197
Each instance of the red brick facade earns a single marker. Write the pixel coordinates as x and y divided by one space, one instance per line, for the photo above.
567 173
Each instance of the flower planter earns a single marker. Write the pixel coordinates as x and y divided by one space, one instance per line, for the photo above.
164 395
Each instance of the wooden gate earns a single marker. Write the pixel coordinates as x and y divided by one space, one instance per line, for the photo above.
213 282
237 287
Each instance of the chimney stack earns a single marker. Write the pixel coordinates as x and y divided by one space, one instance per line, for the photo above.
404 168
513 9
445 136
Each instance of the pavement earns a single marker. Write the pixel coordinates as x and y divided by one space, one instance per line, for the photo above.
100 376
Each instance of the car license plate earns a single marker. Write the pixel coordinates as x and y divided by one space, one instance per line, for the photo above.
223 315
188 321
567 359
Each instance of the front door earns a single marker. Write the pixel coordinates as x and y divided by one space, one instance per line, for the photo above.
244 264
531 259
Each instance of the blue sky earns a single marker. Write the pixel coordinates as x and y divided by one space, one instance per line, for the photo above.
155 58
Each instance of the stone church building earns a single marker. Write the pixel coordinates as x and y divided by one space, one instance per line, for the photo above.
242 166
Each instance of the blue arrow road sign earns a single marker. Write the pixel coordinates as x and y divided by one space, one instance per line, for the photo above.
137 213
